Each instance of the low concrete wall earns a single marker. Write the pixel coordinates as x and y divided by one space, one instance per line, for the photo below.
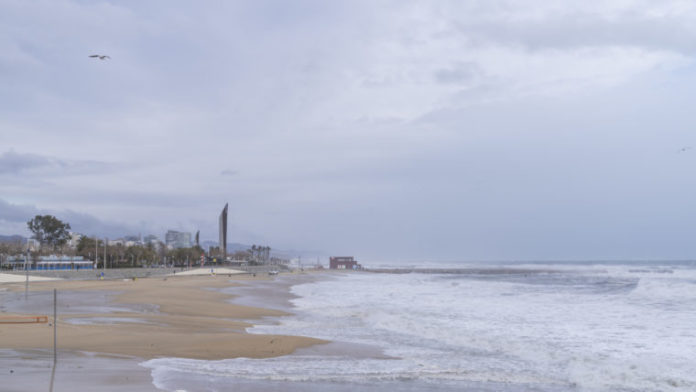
127 273
116 273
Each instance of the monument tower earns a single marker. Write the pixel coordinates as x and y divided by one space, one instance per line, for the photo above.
223 232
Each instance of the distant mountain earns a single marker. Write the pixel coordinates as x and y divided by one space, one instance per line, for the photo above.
285 253
12 238
231 247
206 244
235 246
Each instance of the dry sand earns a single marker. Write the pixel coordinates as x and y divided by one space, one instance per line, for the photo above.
14 278
189 319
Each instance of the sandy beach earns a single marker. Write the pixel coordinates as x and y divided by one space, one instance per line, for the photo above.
172 316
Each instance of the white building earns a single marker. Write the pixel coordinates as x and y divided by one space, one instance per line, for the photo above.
33 245
52 262
118 241
74 239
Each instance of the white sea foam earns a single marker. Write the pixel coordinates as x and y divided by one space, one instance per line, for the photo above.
601 329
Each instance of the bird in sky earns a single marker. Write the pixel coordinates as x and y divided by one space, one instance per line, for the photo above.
684 149
100 57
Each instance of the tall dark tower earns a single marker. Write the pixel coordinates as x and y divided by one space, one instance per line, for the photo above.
198 238
223 232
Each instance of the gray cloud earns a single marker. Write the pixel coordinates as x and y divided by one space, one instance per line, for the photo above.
395 129
459 73
13 163
580 24
229 172
17 215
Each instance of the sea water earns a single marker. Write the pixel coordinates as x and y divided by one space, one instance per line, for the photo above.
570 327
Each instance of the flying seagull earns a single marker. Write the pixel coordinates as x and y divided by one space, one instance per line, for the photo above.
100 57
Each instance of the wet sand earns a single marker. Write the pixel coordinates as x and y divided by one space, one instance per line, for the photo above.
30 370
122 322
172 317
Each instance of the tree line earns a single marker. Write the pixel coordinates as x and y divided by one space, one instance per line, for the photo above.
53 235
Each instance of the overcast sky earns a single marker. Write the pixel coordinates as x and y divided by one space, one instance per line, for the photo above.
388 130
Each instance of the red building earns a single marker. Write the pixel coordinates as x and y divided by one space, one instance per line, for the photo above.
343 263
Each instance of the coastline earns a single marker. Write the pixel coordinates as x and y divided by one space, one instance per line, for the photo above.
130 321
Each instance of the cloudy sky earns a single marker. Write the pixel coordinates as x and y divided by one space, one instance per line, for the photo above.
388 130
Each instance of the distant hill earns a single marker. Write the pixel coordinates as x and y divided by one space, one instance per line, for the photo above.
12 238
236 246
231 247
205 244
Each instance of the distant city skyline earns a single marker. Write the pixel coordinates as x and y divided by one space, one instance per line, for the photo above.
177 239
387 130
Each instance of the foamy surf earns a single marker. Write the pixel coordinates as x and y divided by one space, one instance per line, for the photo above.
589 329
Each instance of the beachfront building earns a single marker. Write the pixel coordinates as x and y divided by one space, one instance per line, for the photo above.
53 262
344 262
177 239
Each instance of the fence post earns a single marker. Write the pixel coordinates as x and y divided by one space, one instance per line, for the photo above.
55 326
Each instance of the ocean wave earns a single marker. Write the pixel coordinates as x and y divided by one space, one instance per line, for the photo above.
603 329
